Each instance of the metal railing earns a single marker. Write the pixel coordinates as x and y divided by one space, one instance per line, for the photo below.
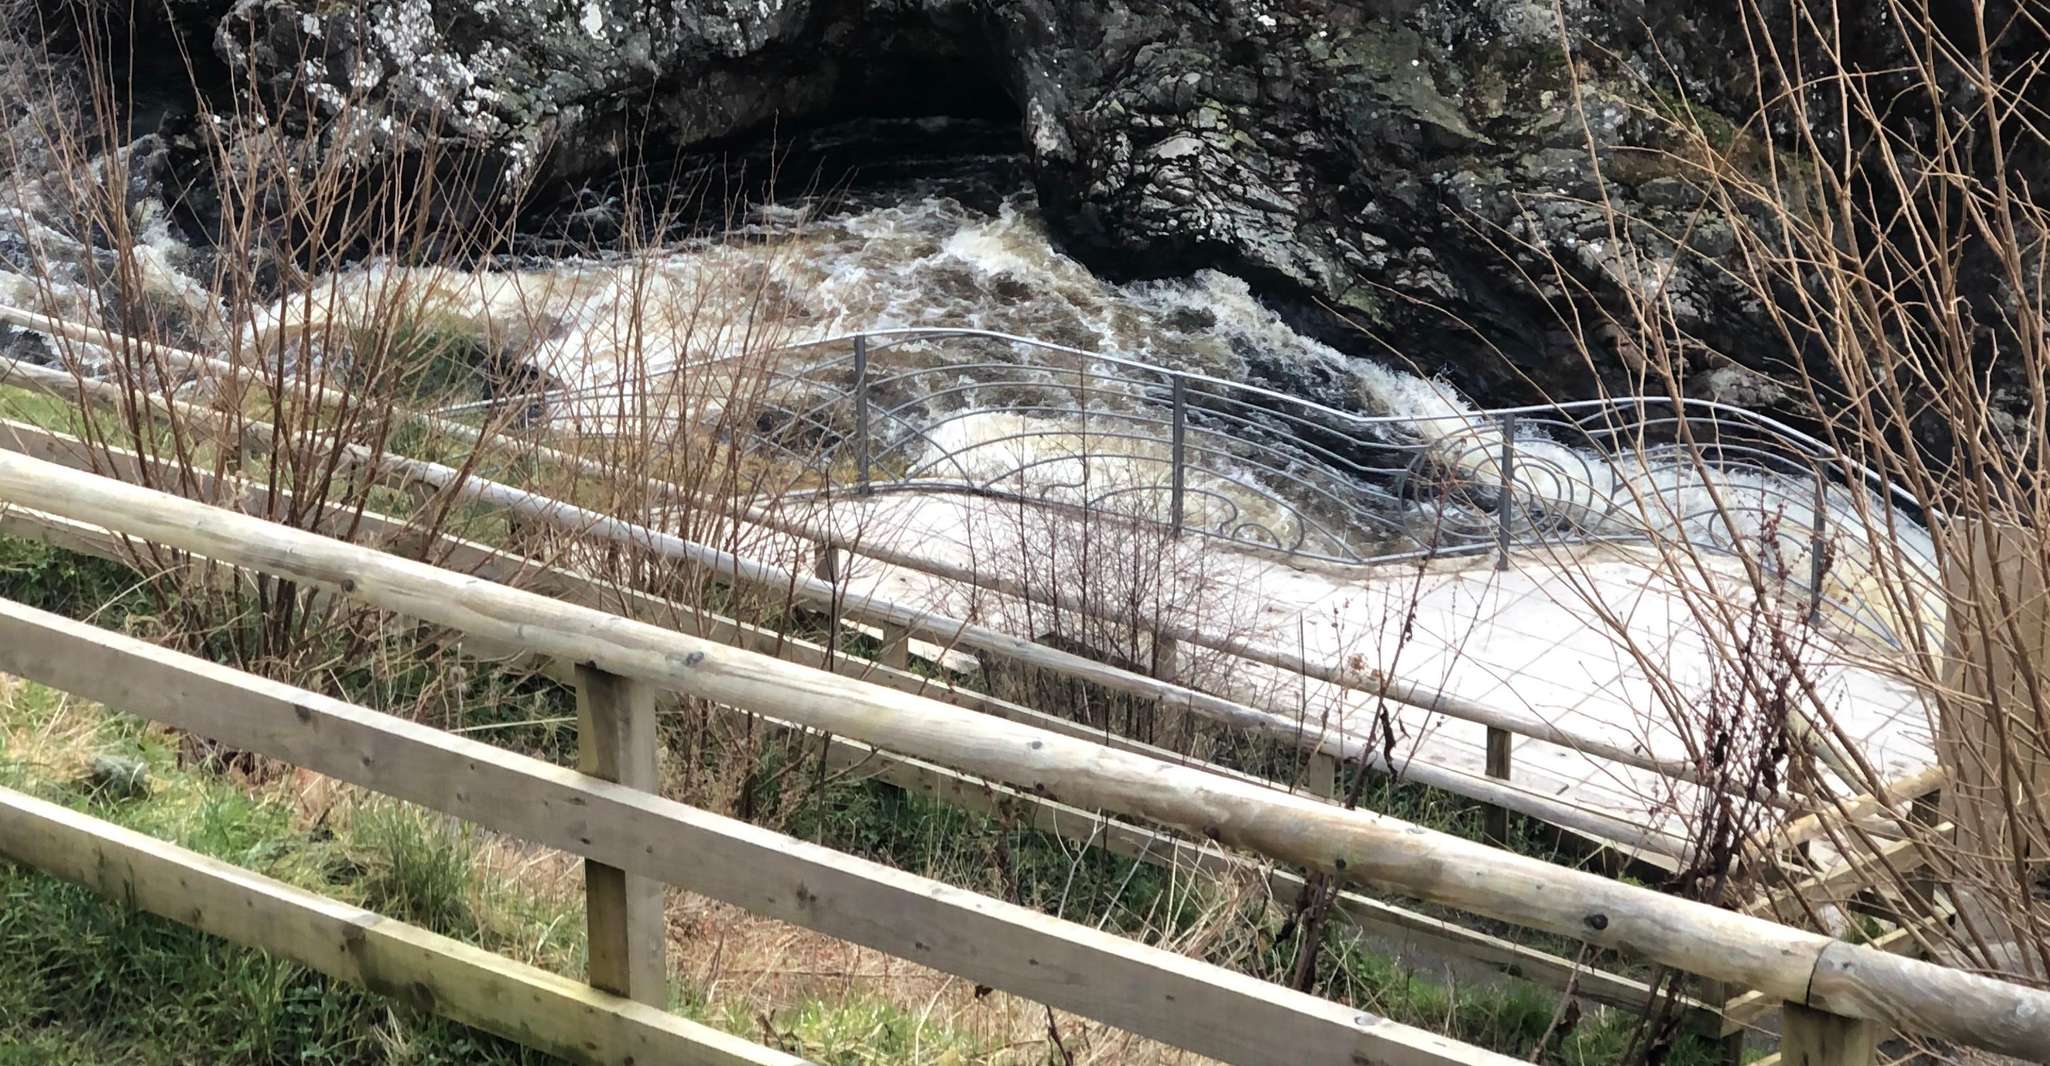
961 410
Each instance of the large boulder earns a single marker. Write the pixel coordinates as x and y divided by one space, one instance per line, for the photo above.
1373 168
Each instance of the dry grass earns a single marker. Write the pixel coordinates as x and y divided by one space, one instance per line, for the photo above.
751 967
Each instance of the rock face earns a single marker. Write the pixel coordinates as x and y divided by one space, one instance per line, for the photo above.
1381 166
543 92
1409 176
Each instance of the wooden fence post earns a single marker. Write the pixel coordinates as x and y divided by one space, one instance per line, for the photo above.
1499 767
826 564
1925 813
616 740
1167 658
1729 1037
1809 1037
1320 778
896 652
1989 651
1150 718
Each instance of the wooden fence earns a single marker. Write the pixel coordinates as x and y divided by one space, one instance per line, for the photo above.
1834 978
1408 928
1442 937
1374 916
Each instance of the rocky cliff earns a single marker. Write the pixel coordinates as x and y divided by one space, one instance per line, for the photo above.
1445 180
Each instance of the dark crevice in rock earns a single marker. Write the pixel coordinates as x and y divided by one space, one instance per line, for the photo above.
159 53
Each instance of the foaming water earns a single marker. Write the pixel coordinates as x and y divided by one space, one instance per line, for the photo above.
599 326
795 273
48 266
932 260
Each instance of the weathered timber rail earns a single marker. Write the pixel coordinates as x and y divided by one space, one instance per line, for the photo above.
1097 974
1802 968
1439 937
1279 721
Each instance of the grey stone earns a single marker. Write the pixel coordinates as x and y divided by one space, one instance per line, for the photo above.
118 777
1669 192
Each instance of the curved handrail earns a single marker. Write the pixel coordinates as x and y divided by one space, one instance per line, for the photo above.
1818 449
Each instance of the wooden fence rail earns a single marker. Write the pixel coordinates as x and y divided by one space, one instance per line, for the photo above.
1792 965
1446 939
1156 993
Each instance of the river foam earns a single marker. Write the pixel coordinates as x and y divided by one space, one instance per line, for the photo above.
601 327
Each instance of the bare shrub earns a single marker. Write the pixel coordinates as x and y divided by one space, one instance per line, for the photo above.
1884 222
1110 581
331 310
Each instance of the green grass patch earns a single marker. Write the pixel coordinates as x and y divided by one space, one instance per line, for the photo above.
85 979
39 408
67 583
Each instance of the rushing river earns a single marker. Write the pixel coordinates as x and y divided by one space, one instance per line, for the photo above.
957 242
955 238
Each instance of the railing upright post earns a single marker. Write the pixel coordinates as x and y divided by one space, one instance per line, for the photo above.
1320 777
1176 499
1505 505
1925 815
861 437
1167 657
896 649
1501 768
1818 548
616 741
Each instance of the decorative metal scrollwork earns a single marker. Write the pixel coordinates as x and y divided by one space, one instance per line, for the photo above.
967 410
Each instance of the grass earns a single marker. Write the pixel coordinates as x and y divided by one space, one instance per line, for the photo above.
861 1030
67 583
38 408
1151 904
84 980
